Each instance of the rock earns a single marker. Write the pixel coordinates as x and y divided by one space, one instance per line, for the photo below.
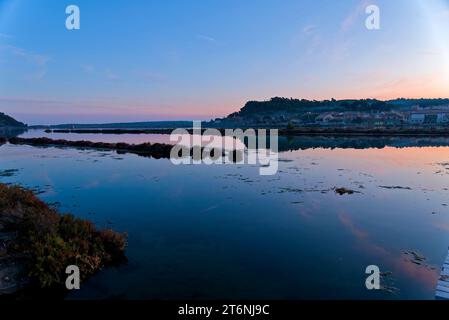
343 191
395 187
416 258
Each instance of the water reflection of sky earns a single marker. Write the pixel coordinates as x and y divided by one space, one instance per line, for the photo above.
224 231
211 141
111 138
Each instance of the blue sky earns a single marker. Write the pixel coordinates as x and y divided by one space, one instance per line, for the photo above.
146 60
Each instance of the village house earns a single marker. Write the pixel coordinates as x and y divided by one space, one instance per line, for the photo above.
429 116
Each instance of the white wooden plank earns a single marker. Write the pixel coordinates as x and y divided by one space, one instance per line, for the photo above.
443 284
443 289
442 295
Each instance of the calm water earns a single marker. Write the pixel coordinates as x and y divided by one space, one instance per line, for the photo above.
198 231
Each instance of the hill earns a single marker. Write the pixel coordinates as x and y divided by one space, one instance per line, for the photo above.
9 122
280 112
286 106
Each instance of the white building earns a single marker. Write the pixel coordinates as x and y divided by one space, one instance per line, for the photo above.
429 117
417 118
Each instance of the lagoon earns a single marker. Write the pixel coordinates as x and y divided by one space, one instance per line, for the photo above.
217 232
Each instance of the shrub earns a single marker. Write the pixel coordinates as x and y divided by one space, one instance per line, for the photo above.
52 241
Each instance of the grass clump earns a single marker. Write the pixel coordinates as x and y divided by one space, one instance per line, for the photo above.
50 241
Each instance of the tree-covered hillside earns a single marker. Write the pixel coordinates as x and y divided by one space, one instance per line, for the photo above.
9 122
288 106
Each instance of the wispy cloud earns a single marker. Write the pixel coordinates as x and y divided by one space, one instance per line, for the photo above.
429 53
342 45
386 84
12 100
354 15
111 75
207 38
39 61
309 30
339 47
311 34
86 106
153 76
87 68
6 36
37 76
444 14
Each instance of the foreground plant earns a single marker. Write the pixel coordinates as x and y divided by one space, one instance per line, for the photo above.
45 242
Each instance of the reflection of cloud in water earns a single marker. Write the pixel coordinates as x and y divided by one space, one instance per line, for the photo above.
46 184
442 226
92 185
401 266
308 211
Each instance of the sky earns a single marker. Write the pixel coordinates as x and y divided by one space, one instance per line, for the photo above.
145 60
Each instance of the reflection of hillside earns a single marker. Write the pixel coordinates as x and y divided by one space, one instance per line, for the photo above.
11 132
288 143
307 142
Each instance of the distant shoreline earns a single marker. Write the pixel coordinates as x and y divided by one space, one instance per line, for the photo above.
283 132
